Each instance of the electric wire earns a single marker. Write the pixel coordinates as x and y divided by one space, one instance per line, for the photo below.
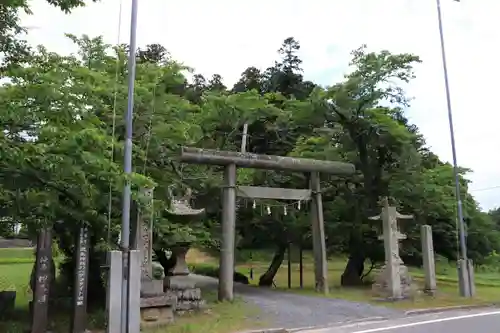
150 128
113 129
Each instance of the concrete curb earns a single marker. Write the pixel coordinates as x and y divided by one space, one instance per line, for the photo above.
451 308
316 327
337 324
267 330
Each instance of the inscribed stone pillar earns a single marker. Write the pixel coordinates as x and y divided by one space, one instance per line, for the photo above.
79 318
318 233
144 233
428 259
41 281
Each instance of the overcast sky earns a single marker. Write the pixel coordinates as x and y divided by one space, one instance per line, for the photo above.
226 36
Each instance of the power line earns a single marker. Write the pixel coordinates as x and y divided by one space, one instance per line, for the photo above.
485 188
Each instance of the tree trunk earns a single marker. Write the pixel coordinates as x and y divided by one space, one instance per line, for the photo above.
166 263
266 279
96 290
353 271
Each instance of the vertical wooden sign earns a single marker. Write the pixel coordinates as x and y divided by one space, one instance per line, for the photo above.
79 317
42 281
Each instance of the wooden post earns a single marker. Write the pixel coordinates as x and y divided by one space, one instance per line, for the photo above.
301 266
289 265
79 316
319 245
42 281
226 272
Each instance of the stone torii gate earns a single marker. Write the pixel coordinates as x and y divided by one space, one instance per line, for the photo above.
231 160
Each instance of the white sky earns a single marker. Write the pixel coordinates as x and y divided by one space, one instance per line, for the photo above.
225 37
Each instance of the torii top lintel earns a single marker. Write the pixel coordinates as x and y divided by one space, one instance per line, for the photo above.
270 162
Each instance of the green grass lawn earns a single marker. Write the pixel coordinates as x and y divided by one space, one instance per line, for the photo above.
487 284
230 317
16 255
16 277
216 318
226 317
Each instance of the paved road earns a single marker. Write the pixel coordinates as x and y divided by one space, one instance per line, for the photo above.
287 310
478 321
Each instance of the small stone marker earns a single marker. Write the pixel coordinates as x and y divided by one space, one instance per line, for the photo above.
42 281
428 259
393 281
145 234
79 319
152 307
7 301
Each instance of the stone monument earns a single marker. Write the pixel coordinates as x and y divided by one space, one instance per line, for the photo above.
393 281
42 279
428 260
177 278
157 306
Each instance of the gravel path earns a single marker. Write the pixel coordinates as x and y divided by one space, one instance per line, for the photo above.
290 310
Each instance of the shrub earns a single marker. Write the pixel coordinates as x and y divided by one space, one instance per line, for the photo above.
212 271
443 266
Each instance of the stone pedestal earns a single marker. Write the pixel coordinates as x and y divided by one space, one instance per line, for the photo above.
151 287
179 282
188 296
382 287
157 306
157 310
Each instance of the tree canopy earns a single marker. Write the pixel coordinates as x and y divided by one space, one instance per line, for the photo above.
63 134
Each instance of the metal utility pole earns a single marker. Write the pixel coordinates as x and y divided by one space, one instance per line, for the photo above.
127 168
466 292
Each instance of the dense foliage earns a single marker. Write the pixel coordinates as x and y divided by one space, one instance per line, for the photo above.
62 144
